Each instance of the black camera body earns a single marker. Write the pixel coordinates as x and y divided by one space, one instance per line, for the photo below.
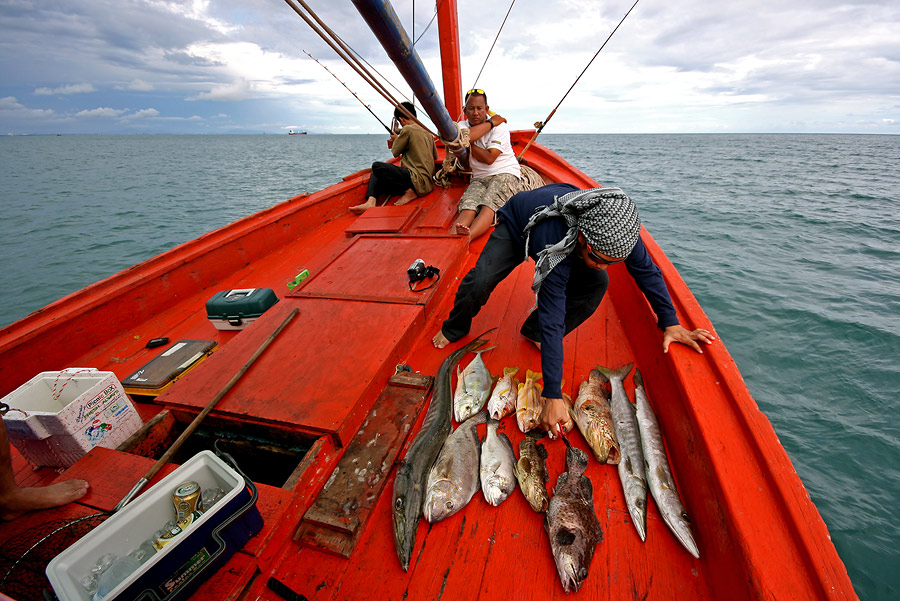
418 271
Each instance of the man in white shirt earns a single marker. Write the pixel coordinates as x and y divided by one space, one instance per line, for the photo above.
496 174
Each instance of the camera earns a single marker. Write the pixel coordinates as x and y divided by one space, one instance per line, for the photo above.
418 271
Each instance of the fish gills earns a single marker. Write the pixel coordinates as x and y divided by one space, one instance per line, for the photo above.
412 471
531 472
454 478
503 398
595 421
473 387
659 474
498 465
529 402
631 465
571 522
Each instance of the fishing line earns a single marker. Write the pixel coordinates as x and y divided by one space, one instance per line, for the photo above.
483 65
351 91
540 124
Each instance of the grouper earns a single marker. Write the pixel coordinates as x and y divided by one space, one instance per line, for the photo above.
571 522
409 485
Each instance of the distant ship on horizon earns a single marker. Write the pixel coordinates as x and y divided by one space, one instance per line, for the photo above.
291 132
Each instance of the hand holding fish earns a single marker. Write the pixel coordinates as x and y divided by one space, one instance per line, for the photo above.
678 333
556 412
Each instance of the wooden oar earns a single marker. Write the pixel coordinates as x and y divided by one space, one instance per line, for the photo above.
209 407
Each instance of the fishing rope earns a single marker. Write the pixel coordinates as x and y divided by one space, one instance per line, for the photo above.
541 124
484 64
348 55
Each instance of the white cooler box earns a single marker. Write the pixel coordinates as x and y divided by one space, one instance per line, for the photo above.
179 568
58 416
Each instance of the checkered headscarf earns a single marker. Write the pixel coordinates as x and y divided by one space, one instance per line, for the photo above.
606 216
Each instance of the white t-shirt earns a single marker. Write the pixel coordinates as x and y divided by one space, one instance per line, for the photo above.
498 138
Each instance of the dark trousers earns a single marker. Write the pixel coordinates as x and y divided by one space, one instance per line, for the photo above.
388 179
501 255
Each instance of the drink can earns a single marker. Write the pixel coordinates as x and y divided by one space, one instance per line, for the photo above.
186 498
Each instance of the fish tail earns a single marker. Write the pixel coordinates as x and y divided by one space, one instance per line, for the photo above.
615 373
510 371
484 350
638 380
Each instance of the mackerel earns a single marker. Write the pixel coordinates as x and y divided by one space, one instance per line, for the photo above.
662 484
632 473
409 485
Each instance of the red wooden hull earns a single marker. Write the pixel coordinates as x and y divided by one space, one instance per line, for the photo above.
760 536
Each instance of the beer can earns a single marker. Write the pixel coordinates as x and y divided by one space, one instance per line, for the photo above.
186 498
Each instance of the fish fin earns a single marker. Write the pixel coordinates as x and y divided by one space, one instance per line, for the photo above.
477 418
484 350
638 380
539 388
621 372
587 489
572 415
541 451
510 371
528 374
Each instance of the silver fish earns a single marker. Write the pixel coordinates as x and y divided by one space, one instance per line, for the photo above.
631 464
571 522
453 480
503 398
498 464
662 484
409 485
473 386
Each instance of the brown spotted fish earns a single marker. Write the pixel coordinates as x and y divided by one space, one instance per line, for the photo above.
592 414
531 471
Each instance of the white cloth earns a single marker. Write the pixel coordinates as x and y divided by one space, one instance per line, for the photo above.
497 138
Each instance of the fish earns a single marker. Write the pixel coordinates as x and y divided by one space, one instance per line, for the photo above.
571 522
498 465
454 478
473 386
531 471
503 398
659 474
632 472
412 471
529 402
594 419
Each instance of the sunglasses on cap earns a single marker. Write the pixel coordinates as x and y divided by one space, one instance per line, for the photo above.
475 91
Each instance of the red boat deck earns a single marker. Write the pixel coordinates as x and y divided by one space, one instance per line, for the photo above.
758 533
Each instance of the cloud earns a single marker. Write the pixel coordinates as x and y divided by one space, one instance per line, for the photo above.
143 114
80 88
234 91
102 111
12 107
139 85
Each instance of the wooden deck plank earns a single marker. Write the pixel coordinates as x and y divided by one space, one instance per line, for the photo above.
388 219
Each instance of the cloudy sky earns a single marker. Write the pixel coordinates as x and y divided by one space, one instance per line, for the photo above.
237 66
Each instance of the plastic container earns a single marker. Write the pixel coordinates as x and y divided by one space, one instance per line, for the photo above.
181 566
238 308
58 416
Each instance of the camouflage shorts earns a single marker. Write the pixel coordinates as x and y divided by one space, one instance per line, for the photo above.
492 192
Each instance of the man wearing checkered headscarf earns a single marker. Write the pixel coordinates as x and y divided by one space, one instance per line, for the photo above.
573 236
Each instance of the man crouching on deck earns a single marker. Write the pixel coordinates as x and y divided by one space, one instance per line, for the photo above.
573 235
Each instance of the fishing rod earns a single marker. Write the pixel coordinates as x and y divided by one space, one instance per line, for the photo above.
541 124
351 91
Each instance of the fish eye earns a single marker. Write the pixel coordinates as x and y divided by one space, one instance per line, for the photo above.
582 574
685 517
399 504
449 504
639 503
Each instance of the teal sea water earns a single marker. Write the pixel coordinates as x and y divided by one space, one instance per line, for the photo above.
791 243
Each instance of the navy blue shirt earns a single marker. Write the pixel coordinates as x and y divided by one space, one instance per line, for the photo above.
552 296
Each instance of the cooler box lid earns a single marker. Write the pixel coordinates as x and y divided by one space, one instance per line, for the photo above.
240 302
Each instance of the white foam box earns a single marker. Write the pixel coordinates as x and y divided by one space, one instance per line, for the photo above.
181 566
58 416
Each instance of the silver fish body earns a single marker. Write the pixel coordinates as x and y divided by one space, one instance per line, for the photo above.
503 398
498 464
631 469
412 472
473 387
454 478
571 522
659 474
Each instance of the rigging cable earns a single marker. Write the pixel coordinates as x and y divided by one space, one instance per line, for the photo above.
351 91
513 3
540 124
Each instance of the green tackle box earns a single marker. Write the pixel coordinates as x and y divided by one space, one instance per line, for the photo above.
238 308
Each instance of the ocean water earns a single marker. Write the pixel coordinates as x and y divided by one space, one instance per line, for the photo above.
791 243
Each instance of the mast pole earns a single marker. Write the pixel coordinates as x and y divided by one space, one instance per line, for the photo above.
384 23
448 36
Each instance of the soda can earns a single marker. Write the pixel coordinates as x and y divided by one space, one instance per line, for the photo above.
186 498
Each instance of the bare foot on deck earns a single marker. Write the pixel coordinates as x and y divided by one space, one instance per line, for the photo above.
19 501
408 196
360 209
461 230
439 340
534 342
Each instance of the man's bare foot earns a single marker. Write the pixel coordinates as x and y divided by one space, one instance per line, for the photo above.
534 342
360 209
23 500
407 197
439 340
461 230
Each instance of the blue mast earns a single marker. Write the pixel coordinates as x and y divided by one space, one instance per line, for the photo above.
384 23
